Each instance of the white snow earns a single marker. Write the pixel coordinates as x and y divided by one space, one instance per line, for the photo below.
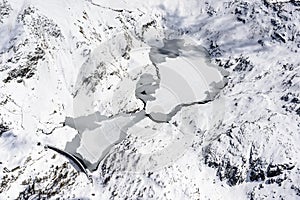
252 124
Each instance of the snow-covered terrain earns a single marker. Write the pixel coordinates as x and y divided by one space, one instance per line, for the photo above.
85 111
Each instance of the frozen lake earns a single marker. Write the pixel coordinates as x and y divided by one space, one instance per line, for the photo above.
174 75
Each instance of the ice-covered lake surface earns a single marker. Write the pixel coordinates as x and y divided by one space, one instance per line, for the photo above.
181 76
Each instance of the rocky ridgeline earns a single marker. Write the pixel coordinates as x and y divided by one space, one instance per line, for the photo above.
27 53
278 27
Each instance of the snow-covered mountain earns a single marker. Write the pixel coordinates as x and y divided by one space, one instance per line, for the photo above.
149 100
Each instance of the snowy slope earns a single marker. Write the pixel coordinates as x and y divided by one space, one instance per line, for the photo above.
66 59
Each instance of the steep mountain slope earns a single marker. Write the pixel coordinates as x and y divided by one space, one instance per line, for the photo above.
243 144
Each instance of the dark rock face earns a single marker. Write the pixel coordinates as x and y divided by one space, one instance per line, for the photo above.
256 171
242 12
275 170
243 65
291 103
5 10
39 25
296 188
230 173
3 128
26 59
225 170
61 177
27 70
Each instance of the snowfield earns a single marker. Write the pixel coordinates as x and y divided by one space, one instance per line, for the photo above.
149 100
